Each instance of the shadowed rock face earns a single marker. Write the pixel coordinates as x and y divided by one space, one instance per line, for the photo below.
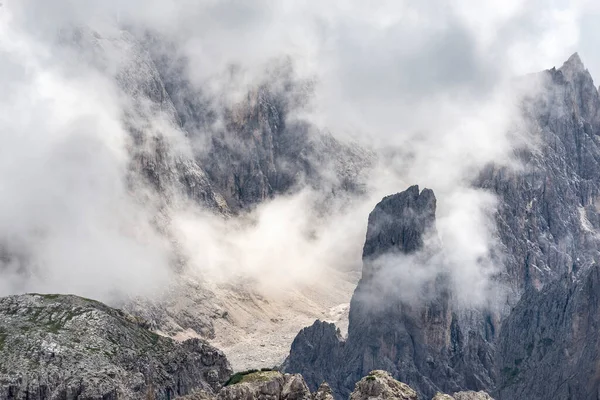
419 340
549 221
549 345
67 347
258 152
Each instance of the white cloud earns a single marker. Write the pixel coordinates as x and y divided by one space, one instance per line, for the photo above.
423 83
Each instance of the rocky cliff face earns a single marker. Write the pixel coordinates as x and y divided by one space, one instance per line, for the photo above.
249 146
67 347
547 219
547 225
419 339
149 115
548 346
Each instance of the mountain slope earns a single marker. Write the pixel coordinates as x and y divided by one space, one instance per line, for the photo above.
60 346
183 161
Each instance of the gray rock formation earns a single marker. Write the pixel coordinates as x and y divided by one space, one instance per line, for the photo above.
267 385
547 219
379 385
149 115
67 347
548 222
274 385
548 346
547 226
259 385
251 150
419 340
324 392
382 386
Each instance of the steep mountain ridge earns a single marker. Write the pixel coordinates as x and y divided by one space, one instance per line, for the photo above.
547 216
253 147
546 224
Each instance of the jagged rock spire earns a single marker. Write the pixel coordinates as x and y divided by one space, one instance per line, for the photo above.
399 222
573 66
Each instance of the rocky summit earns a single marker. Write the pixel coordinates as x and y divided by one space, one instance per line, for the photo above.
68 347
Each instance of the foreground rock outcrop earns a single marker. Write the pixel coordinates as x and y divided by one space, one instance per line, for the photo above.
68 347
267 384
274 385
380 385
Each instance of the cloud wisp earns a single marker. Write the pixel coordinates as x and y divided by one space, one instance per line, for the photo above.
425 86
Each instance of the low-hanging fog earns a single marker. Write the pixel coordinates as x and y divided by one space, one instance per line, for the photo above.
425 87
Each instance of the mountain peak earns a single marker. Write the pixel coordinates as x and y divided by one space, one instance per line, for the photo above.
572 66
574 60
399 222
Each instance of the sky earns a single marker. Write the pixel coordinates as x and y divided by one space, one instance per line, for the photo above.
425 84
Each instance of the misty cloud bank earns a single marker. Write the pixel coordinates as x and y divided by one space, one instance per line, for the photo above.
426 87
